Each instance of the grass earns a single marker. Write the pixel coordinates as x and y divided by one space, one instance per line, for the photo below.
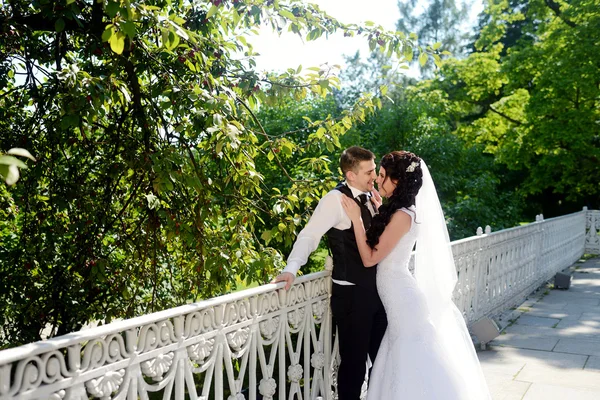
586 257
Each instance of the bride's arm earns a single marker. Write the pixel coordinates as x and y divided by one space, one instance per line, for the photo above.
397 227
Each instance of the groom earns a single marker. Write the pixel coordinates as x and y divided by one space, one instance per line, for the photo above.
355 304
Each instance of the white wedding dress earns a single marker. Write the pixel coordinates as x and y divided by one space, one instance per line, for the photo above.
414 361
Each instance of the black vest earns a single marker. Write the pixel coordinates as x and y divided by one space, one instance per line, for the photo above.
347 264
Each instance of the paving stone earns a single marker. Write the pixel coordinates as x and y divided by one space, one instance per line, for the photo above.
590 316
572 308
591 326
584 302
567 295
524 342
529 303
559 314
578 346
498 361
593 363
504 387
552 392
564 377
529 330
571 299
554 307
537 321
519 357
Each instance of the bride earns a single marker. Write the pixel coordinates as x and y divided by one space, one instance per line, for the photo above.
426 353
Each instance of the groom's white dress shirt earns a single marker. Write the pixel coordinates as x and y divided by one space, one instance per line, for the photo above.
328 214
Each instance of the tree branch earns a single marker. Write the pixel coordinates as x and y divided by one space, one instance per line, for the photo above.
554 6
263 132
514 121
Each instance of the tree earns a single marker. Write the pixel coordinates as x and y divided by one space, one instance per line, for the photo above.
142 115
370 76
439 22
534 106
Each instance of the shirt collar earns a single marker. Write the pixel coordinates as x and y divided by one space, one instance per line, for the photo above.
356 192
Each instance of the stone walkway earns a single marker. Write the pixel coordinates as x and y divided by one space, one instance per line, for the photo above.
552 351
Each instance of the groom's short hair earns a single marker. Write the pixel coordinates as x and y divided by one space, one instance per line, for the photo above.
352 157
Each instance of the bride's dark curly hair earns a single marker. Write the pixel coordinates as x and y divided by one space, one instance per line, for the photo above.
408 184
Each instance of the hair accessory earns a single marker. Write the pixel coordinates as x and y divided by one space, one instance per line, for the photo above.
412 166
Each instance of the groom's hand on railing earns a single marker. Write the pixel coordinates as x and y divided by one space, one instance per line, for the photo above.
286 277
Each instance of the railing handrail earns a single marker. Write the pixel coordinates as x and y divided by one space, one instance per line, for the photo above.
514 228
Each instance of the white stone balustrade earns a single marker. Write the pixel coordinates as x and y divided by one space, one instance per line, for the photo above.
266 341
263 340
496 271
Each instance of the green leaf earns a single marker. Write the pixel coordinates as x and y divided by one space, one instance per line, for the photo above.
213 10
107 33
236 18
266 236
314 34
117 42
179 30
423 59
437 45
377 102
70 2
172 40
129 28
408 53
287 14
59 25
372 44
112 8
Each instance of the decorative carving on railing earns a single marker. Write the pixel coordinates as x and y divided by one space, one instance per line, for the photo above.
592 235
270 342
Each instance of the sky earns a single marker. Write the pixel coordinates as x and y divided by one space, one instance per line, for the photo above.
288 51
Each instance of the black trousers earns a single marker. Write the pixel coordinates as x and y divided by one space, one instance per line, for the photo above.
361 322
